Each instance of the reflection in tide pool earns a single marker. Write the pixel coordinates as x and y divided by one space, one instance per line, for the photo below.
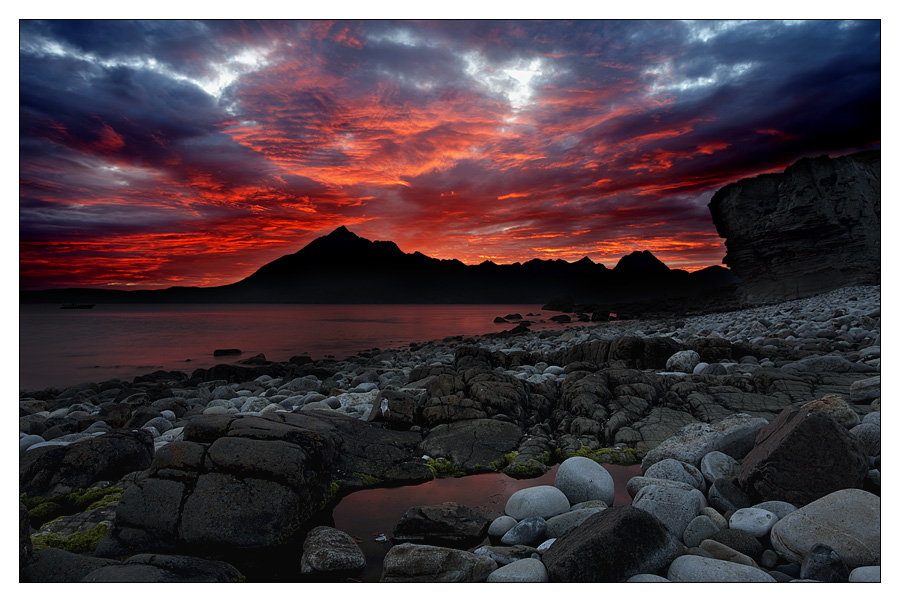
370 515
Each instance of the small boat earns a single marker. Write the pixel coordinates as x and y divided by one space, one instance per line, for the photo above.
78 306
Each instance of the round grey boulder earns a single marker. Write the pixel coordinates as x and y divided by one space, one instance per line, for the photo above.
866 574
542 500
671 469
500 525
582 479
527 570
29 440
778 508
683 361
716 465
699 569
848 521
700 528
529 531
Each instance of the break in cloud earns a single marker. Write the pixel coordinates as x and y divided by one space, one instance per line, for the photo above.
169 153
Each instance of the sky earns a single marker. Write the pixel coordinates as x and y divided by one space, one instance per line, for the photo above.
190 153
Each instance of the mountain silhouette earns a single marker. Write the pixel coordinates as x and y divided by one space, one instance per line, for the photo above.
343 267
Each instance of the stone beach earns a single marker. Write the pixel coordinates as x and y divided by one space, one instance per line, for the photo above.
757 431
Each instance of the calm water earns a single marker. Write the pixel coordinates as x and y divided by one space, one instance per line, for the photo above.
371 513
58 348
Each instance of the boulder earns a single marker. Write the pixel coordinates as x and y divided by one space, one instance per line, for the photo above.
801 456
755 521
848 521
832 209
53 565
716 465
472 444
411 563
698 569
836 407
865 390
328 551
738 540
527 570
501 525
722 552
866 574
561 523
59 470
733 435
673 507
529 531
161 568
448 524
612 546
700 528
825 565
869 436
683 361
504 555
671 469
726 497
582 479
542 500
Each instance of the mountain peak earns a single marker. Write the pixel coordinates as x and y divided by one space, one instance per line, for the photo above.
640 261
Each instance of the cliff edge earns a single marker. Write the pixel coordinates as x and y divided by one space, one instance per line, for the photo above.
814 228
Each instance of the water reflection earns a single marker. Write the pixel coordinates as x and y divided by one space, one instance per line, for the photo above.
370 515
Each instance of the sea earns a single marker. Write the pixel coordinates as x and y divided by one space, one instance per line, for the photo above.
62 347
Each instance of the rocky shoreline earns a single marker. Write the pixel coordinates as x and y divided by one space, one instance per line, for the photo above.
162 477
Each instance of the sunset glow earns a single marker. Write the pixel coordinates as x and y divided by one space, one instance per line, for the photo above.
188 153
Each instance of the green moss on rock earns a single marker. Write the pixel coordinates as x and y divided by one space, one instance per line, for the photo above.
367 479
442 468
610 455
82 542
42 510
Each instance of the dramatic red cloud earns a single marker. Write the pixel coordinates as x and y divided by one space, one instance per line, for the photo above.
155 154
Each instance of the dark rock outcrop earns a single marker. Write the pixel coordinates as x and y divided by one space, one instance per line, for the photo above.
811 229
802 456
58 470
250 482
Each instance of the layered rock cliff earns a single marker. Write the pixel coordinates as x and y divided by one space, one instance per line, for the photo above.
811 229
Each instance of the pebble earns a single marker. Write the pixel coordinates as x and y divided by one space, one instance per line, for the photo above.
700 528
671 469
755 521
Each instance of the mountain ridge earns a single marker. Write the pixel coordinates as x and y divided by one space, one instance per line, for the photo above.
342 267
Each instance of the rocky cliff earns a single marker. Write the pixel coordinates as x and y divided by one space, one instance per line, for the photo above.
811 229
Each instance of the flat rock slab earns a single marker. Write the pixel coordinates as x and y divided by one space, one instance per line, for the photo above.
472 444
